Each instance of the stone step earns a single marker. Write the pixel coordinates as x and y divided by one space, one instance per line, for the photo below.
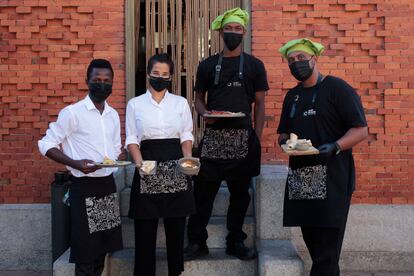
278 258
217 263
62 267
221 202
216 228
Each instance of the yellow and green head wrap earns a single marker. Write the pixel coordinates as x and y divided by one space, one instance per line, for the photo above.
303 44
235 15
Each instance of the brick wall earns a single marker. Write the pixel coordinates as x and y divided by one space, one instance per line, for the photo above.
370 44
45 47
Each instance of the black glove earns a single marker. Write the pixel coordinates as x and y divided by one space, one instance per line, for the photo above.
283 141
328 150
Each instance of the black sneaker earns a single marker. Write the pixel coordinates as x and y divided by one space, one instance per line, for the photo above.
195 250
239 250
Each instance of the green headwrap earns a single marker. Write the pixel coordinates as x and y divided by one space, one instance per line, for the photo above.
235 15
303 44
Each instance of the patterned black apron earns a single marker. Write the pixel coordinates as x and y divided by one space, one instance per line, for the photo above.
230 148
168 193
314 195
95 218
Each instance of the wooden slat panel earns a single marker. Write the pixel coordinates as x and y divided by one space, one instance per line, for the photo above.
193 37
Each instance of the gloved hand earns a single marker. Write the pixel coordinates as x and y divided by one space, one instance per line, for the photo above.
328 150
283 141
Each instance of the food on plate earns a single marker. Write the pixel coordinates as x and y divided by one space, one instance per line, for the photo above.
220 112
108 161
148 166
293 143
190 164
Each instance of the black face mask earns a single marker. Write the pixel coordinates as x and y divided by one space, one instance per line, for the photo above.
301 70
159 83
232 40
99 92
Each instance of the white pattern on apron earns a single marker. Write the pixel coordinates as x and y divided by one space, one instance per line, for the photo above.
166 180
307 182
225 143
103 213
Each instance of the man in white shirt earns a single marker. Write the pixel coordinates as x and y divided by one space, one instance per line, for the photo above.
84 133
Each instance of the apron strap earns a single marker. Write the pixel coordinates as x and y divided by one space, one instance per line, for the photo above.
218 68
241 64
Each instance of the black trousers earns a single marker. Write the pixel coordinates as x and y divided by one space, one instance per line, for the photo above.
91 269
324 245
205 193
145 245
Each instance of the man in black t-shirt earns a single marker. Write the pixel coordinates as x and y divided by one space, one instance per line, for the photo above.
328 111
230 148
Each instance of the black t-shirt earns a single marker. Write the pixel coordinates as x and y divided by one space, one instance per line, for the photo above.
254 79
336 109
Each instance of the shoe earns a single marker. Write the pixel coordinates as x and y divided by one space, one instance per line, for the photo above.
195 250
239 250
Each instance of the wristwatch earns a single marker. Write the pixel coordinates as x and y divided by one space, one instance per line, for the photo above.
338 148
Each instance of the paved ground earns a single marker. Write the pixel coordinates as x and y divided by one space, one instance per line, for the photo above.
24 273
49 273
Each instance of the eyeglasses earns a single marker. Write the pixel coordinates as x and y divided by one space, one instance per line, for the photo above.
300 57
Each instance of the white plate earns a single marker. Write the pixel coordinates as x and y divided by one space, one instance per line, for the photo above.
229 115
117 164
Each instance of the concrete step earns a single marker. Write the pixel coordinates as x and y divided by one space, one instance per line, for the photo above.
278 258
221 202
216 228
217 263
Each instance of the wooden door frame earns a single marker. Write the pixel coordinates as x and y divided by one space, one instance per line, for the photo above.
130 55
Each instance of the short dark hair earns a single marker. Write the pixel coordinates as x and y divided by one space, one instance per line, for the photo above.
98 63
162 58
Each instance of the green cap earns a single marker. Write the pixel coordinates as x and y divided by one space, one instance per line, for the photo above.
235 15
304 45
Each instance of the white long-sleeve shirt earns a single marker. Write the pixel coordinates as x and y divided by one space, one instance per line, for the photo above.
82 132
146 119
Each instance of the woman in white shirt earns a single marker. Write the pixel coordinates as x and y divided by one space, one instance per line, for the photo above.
159 127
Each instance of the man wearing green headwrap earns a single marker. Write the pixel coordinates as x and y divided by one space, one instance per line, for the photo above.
327 111
234 81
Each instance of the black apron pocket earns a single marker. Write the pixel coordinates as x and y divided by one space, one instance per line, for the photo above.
306 183
225 144
166 180
102 212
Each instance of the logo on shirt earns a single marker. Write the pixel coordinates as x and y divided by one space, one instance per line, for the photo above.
310 112
234 84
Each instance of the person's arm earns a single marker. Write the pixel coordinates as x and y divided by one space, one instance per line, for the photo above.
201 107
349 106
133 138
284 123
82 165
186 133
135 152
187 148
259 113
353 137
117 138
260 86
58 131
283 137
200 103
